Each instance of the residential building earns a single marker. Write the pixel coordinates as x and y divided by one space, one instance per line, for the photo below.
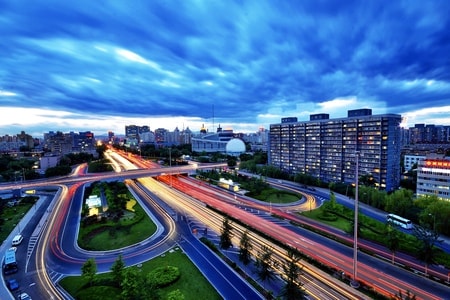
48 161
60 143
258 140
326 148
410 160
433 176
429 134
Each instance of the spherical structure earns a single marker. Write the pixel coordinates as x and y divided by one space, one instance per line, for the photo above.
235 147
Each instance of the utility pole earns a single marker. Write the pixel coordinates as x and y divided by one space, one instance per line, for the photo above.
354 283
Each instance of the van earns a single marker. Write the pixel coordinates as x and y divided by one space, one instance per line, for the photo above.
10 263
17 240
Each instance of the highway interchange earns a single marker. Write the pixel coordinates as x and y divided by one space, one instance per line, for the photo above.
52 251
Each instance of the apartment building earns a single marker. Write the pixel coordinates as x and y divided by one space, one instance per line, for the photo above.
326 148
410 160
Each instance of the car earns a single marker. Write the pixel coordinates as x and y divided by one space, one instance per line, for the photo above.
17 240
13 249
24 296
12 284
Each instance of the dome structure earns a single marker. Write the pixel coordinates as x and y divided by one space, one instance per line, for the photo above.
235 147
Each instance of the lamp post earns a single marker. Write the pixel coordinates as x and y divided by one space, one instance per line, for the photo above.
434 221
354 283
170 164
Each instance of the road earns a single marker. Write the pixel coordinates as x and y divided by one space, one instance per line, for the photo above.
54 239
57 254
373 272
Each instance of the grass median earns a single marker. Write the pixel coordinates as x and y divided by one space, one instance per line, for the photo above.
192 284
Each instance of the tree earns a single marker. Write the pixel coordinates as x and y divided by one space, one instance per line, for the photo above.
231 162
264 264
117 270
427 239
245 248
85 210
434 213
136 286
293 289
133 284
399 202
89 270
367 180
392 239
226 234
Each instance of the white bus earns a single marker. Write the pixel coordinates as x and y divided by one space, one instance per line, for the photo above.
397 220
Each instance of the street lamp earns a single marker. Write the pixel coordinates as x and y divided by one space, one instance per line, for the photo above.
170 164
354 283
434 220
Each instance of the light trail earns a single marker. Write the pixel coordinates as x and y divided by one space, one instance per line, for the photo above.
327 256
213 220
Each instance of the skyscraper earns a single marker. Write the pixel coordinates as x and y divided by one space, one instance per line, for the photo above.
325 148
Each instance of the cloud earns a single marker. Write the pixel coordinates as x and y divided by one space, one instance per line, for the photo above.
254 62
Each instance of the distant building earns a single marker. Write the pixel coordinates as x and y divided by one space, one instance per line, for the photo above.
223 141
13 143
433 176
410 160
429 134
258 141
59 143
48 161
325 148
147 137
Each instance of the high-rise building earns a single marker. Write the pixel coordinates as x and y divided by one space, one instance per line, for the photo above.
326 148
132 132
429 134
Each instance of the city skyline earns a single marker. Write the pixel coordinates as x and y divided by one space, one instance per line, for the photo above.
100 66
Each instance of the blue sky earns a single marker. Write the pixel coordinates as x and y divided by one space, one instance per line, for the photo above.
100 65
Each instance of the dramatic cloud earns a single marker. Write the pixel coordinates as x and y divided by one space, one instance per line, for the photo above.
95 65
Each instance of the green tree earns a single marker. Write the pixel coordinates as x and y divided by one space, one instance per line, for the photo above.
264 264
400 202
434 213
392 239
367 180
292 270
89 270
231 162
332 206
133 285
117 270
226 234
427 239
245 248
85 210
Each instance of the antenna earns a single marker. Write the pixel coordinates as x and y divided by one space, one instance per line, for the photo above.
214 128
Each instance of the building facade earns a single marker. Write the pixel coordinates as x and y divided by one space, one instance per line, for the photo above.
326 148
429 134
433 176
410 160
223 141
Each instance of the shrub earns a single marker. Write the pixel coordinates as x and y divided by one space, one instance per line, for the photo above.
164 276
